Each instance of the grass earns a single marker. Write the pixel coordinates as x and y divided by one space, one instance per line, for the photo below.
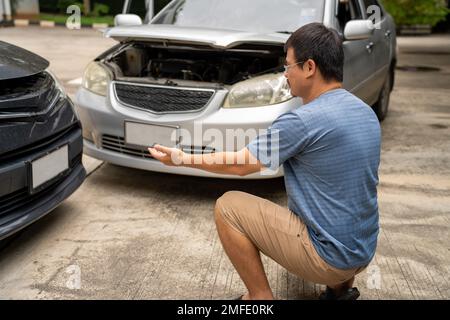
61 19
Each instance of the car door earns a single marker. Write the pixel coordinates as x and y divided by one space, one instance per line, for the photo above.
380 44
359 62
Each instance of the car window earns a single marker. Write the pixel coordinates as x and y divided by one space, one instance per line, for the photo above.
137 7
249 15
348 10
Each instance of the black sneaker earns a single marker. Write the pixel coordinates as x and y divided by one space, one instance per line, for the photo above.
350 294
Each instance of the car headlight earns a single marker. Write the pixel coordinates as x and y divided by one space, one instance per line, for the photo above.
58 84
259 91
62 92
96 78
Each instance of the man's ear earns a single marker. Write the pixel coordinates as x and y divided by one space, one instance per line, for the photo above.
310 68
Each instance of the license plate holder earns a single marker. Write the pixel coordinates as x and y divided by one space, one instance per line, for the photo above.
47 168
144 135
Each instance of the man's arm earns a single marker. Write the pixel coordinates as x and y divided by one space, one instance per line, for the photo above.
240 163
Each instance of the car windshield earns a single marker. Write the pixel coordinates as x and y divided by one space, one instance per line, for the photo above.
262 16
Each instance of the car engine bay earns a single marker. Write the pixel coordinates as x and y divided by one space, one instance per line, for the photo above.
194 63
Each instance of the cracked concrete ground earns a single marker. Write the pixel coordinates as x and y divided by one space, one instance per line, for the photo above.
133 234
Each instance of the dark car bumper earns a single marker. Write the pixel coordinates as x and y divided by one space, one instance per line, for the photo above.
18 207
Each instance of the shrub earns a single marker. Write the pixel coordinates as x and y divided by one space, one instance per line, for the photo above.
100 10
413 12
64 4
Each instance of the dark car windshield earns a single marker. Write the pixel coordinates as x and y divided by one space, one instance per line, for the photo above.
245 15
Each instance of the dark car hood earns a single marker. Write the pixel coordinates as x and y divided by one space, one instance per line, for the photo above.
16 62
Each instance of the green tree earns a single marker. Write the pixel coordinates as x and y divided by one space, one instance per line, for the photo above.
414 12
64 4
87 7
100 10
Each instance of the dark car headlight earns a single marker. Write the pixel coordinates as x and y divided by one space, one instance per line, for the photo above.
63 95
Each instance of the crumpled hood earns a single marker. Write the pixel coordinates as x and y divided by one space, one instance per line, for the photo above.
16 62
190 35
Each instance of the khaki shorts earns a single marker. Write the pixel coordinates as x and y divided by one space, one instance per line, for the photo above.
280 235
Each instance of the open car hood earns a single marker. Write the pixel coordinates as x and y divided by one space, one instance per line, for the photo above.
188 35
16 62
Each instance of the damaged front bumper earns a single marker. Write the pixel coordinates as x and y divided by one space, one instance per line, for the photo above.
103 121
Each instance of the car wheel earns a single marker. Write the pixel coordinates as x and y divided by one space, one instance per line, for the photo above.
382 105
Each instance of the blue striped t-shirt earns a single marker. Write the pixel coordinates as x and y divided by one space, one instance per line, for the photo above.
330 152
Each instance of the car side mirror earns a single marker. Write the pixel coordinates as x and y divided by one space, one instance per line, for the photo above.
358 29
127 20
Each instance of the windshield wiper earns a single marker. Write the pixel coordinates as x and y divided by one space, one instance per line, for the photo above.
285 32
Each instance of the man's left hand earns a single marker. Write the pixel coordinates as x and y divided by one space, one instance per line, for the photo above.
168 156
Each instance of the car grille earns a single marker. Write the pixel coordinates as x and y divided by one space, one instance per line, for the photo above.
38 145
13 200
20 198
117 144
29 94
162 99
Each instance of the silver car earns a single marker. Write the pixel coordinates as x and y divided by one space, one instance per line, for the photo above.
207 75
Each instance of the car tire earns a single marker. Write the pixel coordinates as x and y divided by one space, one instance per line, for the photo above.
381 107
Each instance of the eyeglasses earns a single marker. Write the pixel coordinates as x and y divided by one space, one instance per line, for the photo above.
286 67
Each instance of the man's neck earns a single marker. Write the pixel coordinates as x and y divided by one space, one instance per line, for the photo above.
314 94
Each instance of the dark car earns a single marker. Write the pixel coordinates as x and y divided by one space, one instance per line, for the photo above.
40 140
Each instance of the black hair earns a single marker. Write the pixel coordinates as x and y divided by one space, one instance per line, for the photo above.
323 45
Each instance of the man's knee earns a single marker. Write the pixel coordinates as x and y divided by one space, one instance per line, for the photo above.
227 201
229 210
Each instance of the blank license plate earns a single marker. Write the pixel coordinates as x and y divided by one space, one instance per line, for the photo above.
146 135
49 166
